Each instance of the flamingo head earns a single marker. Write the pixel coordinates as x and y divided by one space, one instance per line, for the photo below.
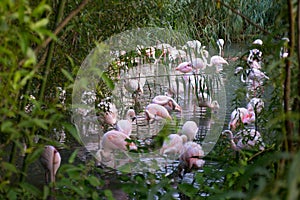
196 162
225 133
184 67
174 106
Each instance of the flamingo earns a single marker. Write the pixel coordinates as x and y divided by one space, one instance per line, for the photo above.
256 74
217 61
258 42
184 67
255 54
135 85
176 53
191 156
254 77
245 139
173 144
198 64
238 70
109 114
255 65
114 140
220 43
125 125
156 111
257 104
190 129
246 116
284 52
193 44
50 159
167 102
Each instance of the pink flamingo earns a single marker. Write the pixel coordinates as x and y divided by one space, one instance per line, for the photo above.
191 156
125 125
167 102
198 64
184 67
114 140
257 104
173 144
109 113
245 139
190 129
217 61
246 116
156 111
50 159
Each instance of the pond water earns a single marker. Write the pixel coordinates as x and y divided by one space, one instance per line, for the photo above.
159 79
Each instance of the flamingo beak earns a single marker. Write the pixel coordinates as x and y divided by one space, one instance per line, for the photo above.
133 119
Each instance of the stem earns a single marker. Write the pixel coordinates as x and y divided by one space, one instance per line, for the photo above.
287 81
297 101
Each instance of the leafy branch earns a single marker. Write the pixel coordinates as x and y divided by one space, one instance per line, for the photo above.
57 30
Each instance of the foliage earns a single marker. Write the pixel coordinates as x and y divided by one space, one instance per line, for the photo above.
29 117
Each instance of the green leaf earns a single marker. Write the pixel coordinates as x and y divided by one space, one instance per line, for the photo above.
108 81
30 189
73 131
67 75
108 194
95 195
28 76
42 123
40 9
188 189
12 194
46 191
34 155
73 156
294 178
7 126
94 181
39 24
9 166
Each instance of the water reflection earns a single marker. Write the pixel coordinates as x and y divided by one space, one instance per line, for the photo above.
158 79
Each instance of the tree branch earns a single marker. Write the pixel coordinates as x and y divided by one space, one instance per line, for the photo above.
244 17
58 29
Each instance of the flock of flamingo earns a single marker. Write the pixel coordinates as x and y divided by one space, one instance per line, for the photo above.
242 119
192 60
181 144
